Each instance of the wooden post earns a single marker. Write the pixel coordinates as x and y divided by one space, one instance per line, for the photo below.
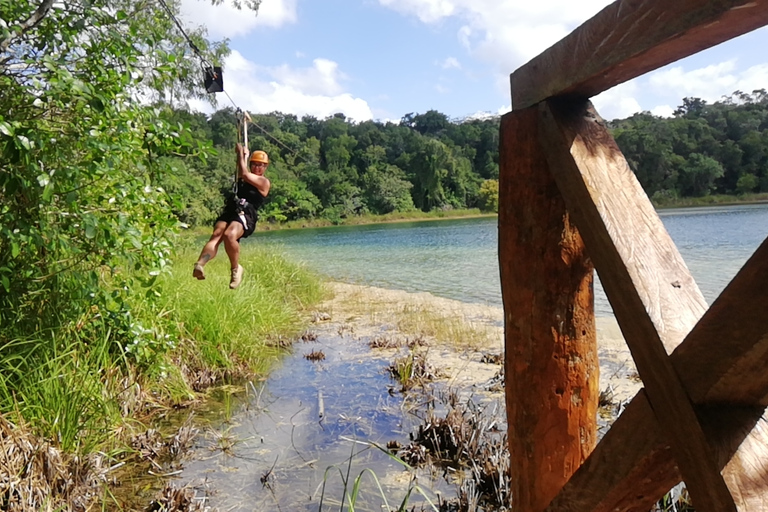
551 349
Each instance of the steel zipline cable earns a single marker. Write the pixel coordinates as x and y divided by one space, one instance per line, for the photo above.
242 116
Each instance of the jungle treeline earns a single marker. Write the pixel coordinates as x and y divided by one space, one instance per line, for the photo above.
704 149
334 168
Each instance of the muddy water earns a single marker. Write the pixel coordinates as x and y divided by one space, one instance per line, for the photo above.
271 449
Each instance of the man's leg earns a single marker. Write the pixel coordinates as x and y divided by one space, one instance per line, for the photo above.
210 249
232 245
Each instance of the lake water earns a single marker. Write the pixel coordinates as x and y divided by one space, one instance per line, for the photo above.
458 259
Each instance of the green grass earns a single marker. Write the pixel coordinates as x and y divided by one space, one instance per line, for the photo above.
53 380
243 326
75 384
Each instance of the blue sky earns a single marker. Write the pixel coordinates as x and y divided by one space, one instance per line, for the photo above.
382 59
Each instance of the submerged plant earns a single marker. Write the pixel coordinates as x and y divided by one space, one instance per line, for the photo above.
412 370
352 487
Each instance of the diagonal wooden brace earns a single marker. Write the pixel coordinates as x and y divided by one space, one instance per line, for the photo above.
654 297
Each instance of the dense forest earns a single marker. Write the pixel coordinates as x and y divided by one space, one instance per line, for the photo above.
333 168
718 148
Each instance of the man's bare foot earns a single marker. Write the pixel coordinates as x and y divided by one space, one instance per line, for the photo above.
198 272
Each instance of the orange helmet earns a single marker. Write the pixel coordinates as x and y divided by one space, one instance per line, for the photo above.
259 156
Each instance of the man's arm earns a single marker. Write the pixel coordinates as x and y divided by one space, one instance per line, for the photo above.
261 183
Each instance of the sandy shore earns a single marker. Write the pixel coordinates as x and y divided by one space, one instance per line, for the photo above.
476 330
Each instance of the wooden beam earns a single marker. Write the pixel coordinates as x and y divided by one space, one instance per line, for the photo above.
550 338
654 298
721 361
632 481
629 38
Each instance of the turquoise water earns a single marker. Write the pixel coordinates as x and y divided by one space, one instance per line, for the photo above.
458 259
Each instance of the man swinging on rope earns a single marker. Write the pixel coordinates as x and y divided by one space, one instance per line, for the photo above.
238 220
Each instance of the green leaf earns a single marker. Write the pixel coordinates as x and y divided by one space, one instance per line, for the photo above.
25 142
48 192
43 180
6 283
90 231
15 249
6 129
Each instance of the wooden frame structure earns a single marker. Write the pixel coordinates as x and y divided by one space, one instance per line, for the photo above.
568 201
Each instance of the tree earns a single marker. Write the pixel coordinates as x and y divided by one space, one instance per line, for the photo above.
698 175
385 188
489 196
83 221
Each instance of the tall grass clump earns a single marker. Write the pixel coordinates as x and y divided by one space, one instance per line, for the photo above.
221 329
54 381
78 380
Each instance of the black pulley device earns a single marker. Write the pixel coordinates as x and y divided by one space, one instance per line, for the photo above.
213 79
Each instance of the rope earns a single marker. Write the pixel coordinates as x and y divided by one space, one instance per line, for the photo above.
242 127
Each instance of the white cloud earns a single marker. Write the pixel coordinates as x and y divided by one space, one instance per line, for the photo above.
450 63
505 33
314 91
226 21
710 83
442 89
663 111
707 82
618 102
428 11
322 78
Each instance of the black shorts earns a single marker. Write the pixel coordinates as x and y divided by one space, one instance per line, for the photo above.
249 217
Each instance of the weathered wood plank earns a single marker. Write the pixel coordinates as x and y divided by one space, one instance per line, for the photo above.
654 298
551 347
629 38
628 470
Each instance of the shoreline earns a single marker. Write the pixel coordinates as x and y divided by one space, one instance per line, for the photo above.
263 226
369 309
